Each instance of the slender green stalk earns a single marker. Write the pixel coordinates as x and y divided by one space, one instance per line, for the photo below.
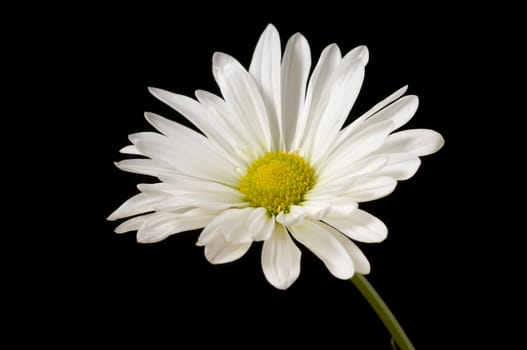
390 322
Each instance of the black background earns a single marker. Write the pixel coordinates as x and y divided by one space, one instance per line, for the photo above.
100 286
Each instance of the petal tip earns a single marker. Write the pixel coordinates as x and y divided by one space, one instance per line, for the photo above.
220 60
270 28
440 142
153 90
363 53
158 93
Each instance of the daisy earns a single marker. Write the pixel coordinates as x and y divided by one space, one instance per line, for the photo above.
273 162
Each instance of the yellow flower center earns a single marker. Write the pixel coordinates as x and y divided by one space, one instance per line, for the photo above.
276 181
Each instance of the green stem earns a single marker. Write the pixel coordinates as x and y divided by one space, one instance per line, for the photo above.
384 313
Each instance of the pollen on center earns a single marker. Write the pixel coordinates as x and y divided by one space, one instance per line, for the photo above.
276 181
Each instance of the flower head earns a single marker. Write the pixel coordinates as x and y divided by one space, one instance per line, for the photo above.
274 161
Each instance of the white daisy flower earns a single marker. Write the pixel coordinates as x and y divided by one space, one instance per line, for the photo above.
274 163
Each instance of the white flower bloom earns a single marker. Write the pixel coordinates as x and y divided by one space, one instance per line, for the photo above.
275 161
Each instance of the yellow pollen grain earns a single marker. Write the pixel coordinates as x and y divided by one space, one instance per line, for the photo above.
276 181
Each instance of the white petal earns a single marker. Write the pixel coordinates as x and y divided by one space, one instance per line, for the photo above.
365 166
361 263
138 204
265 69
162 225
400 166
295 70
235 227
349 130
231 224
328 189
317 94
260 224
182 135
213 127
400 112
184 192
240 91
360 226
150 167
238 130
280 259
316 210
193 161
419 142
385 102
327 192
203 200
294 217
370 188
360 52
132 224
315 236
130 149
345 87
342 207
361 145
172 129
219 251
178 185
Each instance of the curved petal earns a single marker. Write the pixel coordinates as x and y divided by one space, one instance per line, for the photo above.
231 224
294 217
209 201
360 52
184 192
138 204
219 251
173 129
295 70
345 87
132 224
238 129
349 130
265 69
180 134
370 188
361 263
240 91
315 236
316 210
419 142
260 224
366 166
400 112
151 167
385 102
178 185
317 94
161 225
400 166
130 149
342 207
360 226
358 147
214 128
280 259
192 161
